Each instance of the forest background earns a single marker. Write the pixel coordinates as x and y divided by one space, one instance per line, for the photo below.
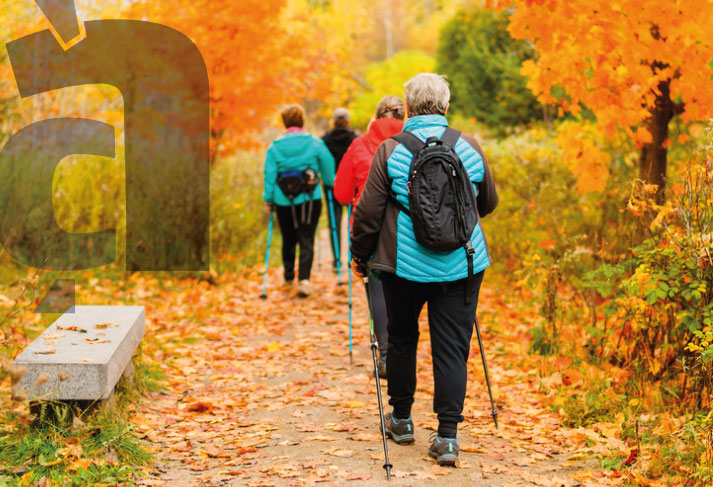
582 108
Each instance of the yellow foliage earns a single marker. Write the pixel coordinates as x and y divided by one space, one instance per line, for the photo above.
586 160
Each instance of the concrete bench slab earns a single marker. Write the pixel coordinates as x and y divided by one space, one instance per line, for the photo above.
82 355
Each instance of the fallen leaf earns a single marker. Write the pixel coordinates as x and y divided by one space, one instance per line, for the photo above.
354 404
72 328
201 407
632 457
45 352
106 325
339 452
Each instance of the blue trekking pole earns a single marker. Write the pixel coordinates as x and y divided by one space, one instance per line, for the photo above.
335 239
349 266
267 254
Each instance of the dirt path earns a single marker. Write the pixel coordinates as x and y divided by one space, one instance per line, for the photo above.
261 393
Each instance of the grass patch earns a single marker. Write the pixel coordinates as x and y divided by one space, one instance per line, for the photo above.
72 443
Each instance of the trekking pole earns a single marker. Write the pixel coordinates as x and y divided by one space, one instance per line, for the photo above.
267 253
318 248
349 270
333 227
494 412
374 346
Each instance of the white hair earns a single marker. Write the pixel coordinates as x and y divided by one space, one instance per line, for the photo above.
426 94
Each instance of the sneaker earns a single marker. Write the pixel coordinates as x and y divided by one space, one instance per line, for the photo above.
444 450
382 368
399 430
304 289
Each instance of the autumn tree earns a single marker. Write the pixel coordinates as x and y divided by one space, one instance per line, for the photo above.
635 64
257 58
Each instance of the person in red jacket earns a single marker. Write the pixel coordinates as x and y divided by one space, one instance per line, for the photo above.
354 168
349 184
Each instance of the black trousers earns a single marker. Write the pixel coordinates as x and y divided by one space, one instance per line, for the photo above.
379 314
450 322
337 207
303 236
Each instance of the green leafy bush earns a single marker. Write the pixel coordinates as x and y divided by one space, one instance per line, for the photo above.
482 63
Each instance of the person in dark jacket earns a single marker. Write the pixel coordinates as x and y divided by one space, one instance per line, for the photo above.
338 141
383 239
297 154
349 184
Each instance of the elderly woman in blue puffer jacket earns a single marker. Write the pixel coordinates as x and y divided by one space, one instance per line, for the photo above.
449 281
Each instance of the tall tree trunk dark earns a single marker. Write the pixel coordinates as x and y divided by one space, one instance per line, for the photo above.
652 163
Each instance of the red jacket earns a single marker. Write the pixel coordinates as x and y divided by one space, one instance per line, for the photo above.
354 168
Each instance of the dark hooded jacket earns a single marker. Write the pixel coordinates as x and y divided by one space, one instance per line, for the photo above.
337 141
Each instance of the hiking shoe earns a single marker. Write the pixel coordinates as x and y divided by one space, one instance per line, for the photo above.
304 289
444 450
399 430
382 368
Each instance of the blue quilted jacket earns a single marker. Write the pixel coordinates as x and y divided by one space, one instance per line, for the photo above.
386 235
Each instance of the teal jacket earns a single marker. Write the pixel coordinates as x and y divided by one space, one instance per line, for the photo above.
385 234
296 151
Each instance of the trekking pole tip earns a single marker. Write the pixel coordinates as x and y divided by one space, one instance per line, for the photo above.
263 296
388 467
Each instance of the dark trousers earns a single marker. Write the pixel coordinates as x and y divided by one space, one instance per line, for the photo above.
303 236
450 322
378 313
337 207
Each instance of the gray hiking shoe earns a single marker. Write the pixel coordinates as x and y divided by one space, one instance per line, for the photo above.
444 450
399 430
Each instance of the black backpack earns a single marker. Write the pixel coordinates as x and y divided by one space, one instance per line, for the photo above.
296 182
441 196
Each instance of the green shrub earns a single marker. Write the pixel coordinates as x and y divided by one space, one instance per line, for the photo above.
482 63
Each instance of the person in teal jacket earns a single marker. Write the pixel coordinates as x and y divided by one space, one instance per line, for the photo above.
384 240
294 165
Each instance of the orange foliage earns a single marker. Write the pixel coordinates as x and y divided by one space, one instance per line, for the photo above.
257 59
583 157
612 56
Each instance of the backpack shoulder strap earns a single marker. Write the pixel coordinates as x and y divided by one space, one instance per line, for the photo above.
450 137
410 141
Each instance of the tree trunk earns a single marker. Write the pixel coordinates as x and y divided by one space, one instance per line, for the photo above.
652 163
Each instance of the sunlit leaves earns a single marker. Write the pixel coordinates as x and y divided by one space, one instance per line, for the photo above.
611 56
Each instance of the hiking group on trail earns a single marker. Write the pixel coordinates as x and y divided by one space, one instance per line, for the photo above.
418 190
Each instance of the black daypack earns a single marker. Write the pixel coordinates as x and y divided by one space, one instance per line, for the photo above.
441 196
295 182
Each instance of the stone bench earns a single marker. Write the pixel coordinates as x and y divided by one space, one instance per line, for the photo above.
82 355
